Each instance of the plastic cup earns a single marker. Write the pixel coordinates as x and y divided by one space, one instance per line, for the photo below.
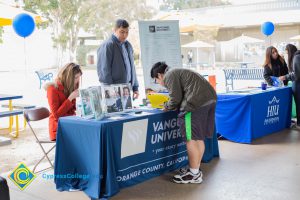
263 86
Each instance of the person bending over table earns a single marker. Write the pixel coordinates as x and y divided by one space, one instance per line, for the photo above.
196 99
274 65
62 95
294 76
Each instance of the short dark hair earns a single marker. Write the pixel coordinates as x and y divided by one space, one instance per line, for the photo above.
127 88
121 23
159 67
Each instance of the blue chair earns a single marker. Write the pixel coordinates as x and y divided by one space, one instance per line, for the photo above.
44 77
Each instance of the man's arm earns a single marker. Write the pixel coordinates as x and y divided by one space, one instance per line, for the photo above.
135 83
173 85
104 63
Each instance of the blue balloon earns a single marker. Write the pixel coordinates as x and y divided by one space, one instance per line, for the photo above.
267 28
23 24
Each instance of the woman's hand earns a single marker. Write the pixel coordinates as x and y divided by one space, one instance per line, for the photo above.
282 78
73 95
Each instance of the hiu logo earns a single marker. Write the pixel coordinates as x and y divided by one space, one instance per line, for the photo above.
272 112
273 109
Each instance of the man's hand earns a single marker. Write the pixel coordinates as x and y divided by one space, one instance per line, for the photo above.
136 94
165 109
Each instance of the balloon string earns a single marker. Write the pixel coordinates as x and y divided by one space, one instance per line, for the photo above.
25 61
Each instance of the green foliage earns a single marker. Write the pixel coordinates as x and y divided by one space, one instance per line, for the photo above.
67 17
64 17
104 13
186 4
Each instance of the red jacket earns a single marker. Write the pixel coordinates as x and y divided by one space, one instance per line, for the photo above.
60 106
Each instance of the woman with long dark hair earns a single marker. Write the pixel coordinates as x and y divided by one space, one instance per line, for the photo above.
290 50
274 65
294 76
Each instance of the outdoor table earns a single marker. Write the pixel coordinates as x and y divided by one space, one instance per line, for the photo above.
5 97
9 97
102 157
243 116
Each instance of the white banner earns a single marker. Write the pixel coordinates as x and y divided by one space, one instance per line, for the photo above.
134 137
160 41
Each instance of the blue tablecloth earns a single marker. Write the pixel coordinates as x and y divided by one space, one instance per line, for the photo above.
101 157
242 117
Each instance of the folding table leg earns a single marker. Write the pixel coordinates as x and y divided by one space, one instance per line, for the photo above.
24 124
15 133
11 119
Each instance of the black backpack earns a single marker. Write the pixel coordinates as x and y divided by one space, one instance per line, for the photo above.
4 191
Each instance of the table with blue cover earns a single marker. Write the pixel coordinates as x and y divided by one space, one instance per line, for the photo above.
246 115
102 157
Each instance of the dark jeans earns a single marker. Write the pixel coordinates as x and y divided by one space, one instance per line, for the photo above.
296 93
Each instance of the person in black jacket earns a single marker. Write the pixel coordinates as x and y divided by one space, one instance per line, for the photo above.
274 65
290 50
294 76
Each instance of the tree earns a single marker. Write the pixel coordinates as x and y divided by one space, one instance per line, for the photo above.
186 4
106 12
67 17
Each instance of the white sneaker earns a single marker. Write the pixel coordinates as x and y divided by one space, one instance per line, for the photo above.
188 177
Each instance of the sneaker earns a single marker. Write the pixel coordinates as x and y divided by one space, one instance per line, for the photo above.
188 177
184 170
295 126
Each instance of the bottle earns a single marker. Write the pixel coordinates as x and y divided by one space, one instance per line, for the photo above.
78 107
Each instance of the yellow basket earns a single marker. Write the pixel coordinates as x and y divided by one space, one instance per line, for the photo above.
157 100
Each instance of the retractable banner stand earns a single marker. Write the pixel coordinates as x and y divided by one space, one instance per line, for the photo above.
160 41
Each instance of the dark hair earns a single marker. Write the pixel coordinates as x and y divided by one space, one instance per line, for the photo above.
121 23
269 59
158 67
291 49
127 88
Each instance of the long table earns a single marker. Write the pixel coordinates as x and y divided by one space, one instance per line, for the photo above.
245 115
101 157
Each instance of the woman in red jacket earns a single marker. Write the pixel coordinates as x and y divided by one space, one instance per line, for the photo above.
62 94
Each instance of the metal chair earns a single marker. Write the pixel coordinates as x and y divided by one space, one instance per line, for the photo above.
37 114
